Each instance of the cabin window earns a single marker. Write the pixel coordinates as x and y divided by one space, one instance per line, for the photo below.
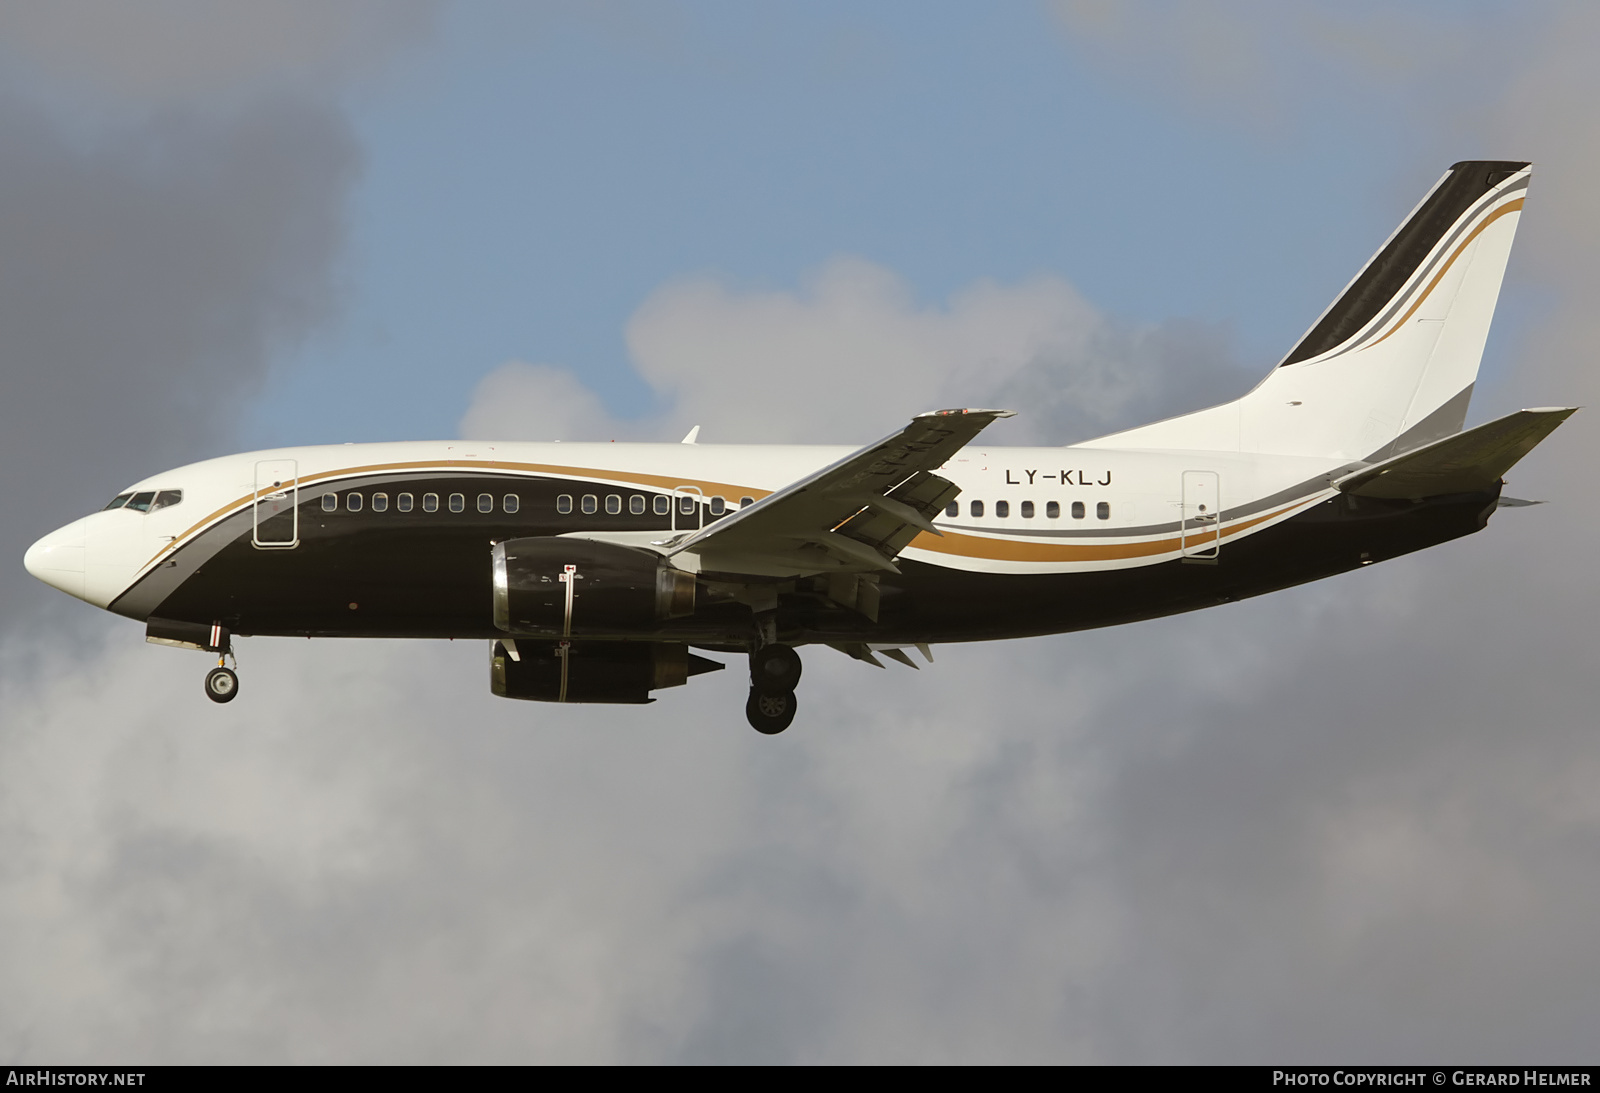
458 502
977 508
718 506
564 504
636 504
430 502
1077 510
1002 508
746 502
140 502
1027 510
485 502
403 502
613 504
330 502
662 504
1102 511
117 502
511 502
591 504
352 501
953 509
1052 509
380 502
686 504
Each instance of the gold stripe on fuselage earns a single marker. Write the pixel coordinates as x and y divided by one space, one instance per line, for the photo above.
633 478
1013 550
952 542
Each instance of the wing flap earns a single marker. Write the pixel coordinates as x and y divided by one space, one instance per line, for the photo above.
856 515
1467 462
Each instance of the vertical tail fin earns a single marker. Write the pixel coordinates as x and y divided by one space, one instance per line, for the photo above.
1391 364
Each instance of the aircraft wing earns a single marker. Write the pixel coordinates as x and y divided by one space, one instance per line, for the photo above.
1467 462
852 517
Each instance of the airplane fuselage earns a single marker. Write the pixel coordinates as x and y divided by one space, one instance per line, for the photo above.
394 540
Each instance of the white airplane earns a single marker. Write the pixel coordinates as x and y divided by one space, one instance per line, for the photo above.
594 569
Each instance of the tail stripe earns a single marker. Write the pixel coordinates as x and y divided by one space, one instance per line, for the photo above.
1458 196
1509 207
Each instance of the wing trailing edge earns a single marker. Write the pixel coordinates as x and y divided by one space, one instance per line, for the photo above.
854 516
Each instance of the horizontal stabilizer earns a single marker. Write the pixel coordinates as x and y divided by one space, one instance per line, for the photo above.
1468 462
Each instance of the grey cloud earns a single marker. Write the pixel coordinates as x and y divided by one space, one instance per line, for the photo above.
156 262
192 51
871 354
1262 66
149 280
172 216
1248 832
1125 376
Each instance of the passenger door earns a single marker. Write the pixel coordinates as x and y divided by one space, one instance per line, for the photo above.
1200 530
275 521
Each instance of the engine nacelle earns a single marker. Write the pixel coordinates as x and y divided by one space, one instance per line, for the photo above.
560 587
592 671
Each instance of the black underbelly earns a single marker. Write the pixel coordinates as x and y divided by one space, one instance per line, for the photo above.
437 583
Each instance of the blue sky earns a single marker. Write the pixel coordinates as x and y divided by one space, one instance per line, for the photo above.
530 178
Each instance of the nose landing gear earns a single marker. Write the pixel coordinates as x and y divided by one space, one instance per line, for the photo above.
222 682
774 672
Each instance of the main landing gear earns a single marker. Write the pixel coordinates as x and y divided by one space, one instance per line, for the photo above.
222 684
774 672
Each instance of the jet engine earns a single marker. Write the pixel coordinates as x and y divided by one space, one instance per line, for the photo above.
560 587
591 671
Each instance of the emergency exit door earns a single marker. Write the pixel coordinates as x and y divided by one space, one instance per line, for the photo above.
687 510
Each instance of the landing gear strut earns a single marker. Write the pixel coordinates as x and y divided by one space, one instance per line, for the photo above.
774 671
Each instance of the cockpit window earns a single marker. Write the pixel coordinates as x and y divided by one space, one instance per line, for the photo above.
165 499
117 502
140 502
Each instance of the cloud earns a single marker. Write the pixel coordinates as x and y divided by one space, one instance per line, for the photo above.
1261 66
1210 838
158 260
829 362
162 52
537 402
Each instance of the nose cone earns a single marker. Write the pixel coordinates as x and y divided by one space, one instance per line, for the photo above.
57 559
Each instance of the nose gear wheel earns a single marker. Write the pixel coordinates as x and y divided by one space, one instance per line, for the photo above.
222 684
